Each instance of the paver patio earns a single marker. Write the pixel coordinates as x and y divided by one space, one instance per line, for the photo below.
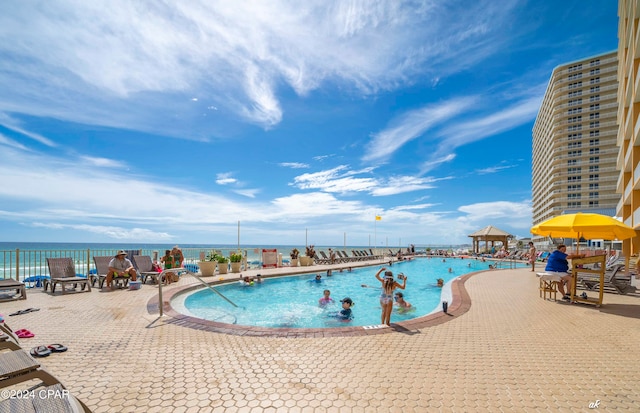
511 351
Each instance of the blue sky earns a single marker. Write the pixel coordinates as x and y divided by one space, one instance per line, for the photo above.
171 121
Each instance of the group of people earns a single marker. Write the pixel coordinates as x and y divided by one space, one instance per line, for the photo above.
388 297
345 314
120 266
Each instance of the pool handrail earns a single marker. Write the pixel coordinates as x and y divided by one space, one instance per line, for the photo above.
196 276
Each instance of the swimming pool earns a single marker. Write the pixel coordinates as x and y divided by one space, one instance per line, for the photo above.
292 301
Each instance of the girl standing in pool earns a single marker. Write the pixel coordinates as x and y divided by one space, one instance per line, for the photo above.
326 299
386 297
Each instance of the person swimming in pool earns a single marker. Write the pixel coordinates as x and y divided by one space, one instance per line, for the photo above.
318 279
326 299
345 314
388 286
402 305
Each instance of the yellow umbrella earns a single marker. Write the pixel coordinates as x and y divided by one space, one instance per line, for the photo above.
584 225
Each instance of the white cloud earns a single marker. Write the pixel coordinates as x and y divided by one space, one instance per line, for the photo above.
124 65
294 165
412 125
225 178
493 169
114 233
342 180
249 193
10 142
102 162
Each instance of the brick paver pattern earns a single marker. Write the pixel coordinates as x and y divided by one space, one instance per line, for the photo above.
511 351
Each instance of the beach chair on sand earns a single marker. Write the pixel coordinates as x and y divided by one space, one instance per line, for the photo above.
145 268
10 285
102 268
63 272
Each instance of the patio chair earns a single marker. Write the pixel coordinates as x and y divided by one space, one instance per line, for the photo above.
63 272
145 268
10 285
102 268
323 260
14 361
614 281
345 256
47 390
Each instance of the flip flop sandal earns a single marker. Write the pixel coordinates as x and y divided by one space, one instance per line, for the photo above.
40 351
20 312
25 334
57 348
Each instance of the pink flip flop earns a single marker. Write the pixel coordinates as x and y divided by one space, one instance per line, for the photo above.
24 334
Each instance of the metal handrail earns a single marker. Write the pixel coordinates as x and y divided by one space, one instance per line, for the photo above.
197 277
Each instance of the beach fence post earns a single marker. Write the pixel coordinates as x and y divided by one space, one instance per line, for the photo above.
17 264
88 262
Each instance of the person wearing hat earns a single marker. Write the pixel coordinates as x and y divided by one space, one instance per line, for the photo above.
386 297
345 314
120 266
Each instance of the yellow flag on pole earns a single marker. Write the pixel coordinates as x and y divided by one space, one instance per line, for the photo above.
378 218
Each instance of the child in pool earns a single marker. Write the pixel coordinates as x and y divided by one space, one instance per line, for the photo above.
345 314
326 299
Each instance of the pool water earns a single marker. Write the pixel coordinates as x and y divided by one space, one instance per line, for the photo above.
292 301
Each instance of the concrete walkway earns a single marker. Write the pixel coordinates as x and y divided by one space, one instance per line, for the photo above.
511 351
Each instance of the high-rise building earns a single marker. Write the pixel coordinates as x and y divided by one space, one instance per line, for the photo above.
574 141
628 185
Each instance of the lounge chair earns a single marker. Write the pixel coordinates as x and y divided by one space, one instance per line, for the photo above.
345 256
323 260
10 285
145 268
102 268
14 361
614 281
49 394
63 272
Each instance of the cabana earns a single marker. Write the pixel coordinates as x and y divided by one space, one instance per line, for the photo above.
489 234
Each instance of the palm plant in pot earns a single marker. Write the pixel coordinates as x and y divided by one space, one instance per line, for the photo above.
223 264
236 261
309 253
208 264
294 257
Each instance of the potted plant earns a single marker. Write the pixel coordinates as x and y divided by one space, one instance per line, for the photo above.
208 264
307 260
294 257
236 261
440 282
223 264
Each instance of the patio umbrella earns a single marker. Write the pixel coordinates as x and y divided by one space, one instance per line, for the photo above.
584 225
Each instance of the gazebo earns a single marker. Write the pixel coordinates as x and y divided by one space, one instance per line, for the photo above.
489 234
